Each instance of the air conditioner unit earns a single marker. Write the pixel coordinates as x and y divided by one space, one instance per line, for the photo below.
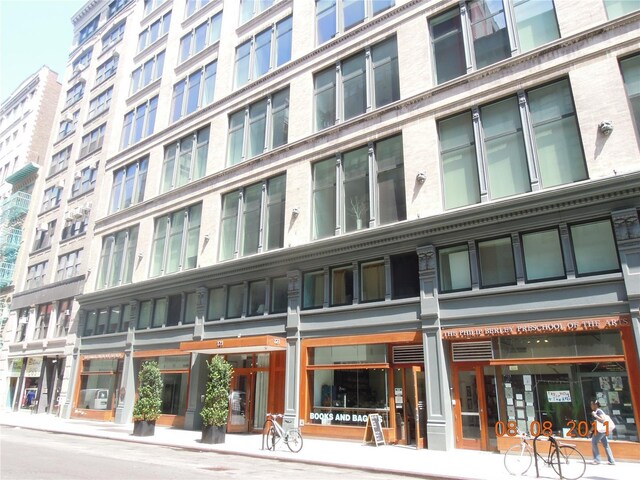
78 68
67 118
86 208
94 165
68 216
77 212
60 184
77 175
43 227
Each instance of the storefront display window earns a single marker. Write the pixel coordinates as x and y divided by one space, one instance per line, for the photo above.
344 389
546 346
175 381
98 382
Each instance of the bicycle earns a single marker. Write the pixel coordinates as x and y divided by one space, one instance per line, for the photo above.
273 433
565 460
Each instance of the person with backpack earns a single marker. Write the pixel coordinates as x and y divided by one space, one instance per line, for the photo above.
600 433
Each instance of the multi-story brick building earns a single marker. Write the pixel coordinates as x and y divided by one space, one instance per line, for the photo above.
26 117
425 210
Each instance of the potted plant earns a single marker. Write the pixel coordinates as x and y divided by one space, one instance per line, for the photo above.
359 209
215 410
148 405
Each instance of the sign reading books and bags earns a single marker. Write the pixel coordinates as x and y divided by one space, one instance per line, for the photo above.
373 430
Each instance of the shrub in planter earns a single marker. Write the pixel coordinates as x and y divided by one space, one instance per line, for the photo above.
148 406
215 410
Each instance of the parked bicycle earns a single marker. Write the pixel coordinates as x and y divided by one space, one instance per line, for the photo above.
273 433
565 460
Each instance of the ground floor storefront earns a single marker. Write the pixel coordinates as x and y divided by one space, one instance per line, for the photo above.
540 377
34 383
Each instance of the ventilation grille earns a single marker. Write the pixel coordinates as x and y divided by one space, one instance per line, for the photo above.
469 351
408 354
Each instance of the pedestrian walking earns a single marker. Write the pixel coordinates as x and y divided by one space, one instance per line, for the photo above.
599 434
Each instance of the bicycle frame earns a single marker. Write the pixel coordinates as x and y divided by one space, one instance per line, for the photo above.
553 449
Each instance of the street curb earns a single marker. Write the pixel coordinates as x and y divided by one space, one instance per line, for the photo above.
305 461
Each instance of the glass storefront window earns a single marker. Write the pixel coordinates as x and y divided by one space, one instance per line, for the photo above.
561 393
346 397
345 354
571 345
174 381
98 383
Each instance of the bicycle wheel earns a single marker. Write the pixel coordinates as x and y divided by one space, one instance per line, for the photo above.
294 440
572 464
271 438
518 458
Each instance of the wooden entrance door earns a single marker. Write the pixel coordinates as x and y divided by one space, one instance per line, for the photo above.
469 393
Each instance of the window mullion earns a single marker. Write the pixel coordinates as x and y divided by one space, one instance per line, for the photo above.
176 166
480 157
263 215
239 222
339 195
125 248
134 188
245 134
465 24
510 18
373 190
192 160
339 95
368 79
527 131
268 126
110 260
165 247
183 241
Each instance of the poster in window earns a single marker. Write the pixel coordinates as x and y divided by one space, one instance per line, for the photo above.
520 413
602 398
511 412
508 392
616 383
531 413
526 379
614 397
528 398
559 396
605 384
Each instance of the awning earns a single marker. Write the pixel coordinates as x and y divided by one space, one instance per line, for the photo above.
262 343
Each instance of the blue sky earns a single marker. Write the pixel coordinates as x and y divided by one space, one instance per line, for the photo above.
33 33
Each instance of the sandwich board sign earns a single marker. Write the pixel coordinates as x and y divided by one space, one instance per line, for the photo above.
373 430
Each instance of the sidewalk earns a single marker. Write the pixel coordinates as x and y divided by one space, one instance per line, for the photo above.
455 464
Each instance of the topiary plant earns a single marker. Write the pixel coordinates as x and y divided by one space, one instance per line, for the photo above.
149 403
216 398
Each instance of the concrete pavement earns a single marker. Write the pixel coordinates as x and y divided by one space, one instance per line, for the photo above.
454 464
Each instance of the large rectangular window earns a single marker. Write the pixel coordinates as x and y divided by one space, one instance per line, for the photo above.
175 241
334 17
260 127
313 289
488 26
543 255
200 37
74 94
151 5
154 31
148 72
254 221
68 125
372 281
618 8
113 36
117 258
251 8
454 268
257 56
357 206
497 266
36 275
194 91
185 160
69 265
129 183
92 141
195 5
342 285
107 69
552 130
60 160
52 197
88 30
594 248
139 122
44 233
631 74
84 181
358 84
76 223
100 103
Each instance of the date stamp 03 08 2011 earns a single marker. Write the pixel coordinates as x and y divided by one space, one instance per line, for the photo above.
576 429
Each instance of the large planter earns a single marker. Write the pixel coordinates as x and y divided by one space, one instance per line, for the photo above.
144 428
213 434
